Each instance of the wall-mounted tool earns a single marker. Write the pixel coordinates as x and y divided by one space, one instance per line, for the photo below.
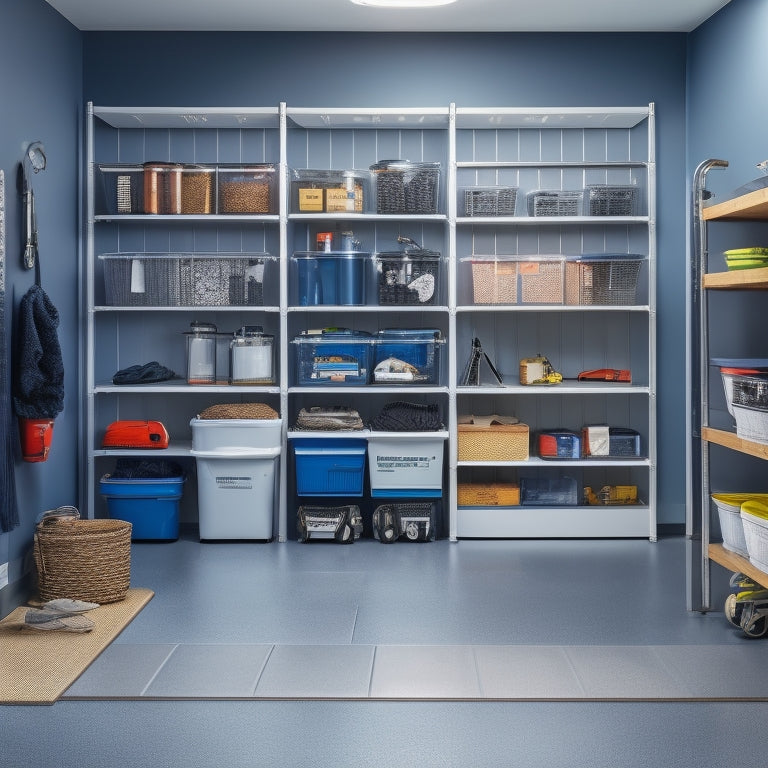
34 162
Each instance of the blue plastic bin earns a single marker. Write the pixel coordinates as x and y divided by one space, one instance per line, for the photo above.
329 467
150 505
407 356
338 357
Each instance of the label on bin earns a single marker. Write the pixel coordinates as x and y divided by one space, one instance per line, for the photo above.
340 200
311 199
393 463
234 482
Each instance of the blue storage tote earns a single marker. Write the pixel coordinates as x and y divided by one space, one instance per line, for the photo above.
549 491
334 356
151 505
407 356
329 466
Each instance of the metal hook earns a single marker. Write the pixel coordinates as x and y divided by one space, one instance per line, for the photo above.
34 160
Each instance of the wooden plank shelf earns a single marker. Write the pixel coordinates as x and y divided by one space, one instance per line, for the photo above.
735 443
749 207
737 564
738 279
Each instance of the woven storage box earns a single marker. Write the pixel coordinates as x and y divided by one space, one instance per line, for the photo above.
488 494
493 442
602 278
610 200
545 202
490 201
83 559
751 423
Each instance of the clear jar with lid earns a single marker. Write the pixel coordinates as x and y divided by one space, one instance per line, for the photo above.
201 353
252 357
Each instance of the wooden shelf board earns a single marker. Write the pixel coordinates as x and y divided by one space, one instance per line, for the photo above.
753 205
732 441
738 279
736 563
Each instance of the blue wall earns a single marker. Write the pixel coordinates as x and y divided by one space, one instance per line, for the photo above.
307 69
41 98
719 69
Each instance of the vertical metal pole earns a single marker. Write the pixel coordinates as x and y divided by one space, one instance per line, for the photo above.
698 512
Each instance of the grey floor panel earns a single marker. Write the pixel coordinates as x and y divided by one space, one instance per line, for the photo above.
210 671
624 672
324 671
526 672
424 672
711 672
121 671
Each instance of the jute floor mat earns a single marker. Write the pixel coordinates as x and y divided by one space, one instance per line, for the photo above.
36 667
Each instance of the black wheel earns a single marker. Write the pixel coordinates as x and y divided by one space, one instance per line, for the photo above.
754 623
345 534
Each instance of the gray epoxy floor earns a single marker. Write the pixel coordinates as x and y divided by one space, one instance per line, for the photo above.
533 609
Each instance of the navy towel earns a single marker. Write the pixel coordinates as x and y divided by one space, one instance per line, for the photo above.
39 380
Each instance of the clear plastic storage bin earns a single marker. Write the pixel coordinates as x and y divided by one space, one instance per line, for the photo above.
246 189
602 278
489 201
407 356
408 277
329 191
335 357
404 187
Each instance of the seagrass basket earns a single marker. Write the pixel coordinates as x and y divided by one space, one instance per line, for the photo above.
495 442
82 559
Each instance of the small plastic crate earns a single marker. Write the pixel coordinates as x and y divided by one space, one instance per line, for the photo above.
602 278
246 189
404 187
339 357
544 202
490 201
549 491
120 189
407 356
754 516
408 277
404 522
329 191
559 444
329 467
406 466
610 200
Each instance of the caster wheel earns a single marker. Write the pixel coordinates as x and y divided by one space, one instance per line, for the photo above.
733 610
388 534
345 534
754 623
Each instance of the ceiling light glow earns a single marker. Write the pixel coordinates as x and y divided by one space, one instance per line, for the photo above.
403 3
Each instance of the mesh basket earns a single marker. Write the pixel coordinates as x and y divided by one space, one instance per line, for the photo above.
555 203
490 201
611 200
602 279
405 187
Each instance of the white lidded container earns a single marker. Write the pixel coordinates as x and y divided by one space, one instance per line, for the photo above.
201 353
252 356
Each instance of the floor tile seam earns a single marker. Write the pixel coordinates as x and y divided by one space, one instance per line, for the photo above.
154 675
671 670
260 674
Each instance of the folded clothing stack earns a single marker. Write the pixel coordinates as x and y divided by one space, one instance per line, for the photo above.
332 418
408 417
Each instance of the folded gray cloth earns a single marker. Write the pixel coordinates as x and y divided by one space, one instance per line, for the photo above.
408 417
143 374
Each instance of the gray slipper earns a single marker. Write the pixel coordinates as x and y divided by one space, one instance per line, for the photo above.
66 605
50 620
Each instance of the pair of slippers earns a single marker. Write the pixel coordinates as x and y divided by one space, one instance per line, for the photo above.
62 614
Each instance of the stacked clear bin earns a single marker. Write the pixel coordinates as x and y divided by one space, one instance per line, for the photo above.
184 279
329 191
160 188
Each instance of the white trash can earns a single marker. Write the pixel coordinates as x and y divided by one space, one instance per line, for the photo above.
237 471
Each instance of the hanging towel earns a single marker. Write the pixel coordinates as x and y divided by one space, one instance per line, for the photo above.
39 380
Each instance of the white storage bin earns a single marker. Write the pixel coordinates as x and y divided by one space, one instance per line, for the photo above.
754 515
729 513
406 464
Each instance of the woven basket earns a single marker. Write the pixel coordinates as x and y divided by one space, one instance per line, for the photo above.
497 442
488 494
239 411
83 559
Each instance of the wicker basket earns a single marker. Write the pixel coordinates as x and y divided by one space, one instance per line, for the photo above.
488 494
496 442
82 559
